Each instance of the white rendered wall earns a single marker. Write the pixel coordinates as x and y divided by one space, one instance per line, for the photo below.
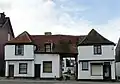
87 53
55 58
10 52
86 74
113 70
30 68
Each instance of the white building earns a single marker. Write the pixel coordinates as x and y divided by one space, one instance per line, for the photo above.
41 56
96 58
38 55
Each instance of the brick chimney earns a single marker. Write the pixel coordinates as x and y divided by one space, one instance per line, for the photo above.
2 18
48 33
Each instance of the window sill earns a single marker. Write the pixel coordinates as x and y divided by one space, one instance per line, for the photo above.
19 54
47 72
85 70
22 73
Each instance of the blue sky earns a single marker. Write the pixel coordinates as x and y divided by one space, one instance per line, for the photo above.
97 11
71 17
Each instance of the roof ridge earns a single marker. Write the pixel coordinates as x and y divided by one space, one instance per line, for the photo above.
94 37
24 37
28 35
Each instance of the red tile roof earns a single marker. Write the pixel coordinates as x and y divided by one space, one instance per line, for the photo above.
22 38
58 41
61 43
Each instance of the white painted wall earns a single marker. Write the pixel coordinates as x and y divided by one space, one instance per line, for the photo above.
10 52
30 68
118 69
87 53
55 58
113 70
83 74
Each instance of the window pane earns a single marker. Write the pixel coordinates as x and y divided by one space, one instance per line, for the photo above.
23 68
84 65
97 49
47 47
47 67
19 49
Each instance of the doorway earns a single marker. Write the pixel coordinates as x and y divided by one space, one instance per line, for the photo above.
11 70
107 71
37 70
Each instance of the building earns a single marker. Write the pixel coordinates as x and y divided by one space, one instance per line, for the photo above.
6 34
117 57
39 55
42 56
96 58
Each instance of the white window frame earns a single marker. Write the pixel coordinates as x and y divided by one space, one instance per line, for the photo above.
97 49
23 68
19 49
44 71
48 47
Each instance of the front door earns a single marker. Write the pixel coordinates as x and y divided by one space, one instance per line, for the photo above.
37 70
107 71
11 70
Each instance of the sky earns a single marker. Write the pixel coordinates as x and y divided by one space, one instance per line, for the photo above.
70 17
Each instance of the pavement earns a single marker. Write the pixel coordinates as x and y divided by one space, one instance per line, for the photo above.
37 81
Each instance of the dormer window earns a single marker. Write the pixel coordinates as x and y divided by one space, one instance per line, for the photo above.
48 47
97 49
19 49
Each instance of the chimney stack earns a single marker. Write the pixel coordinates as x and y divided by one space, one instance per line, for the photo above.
2 18
48 33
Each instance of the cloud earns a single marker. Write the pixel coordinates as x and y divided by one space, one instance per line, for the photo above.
39 16
5 5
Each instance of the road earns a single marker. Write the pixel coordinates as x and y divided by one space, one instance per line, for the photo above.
51 82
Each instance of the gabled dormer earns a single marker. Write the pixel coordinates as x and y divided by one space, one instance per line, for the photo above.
21 47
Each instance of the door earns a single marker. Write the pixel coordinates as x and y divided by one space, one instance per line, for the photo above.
11 70
37 70
107 71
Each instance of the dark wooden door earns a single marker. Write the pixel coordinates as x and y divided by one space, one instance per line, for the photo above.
107 71
37 70
11 70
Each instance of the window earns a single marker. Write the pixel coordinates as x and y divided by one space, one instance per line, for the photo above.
84 65
47 47
97 49
96 70
47 66
22 68
19 49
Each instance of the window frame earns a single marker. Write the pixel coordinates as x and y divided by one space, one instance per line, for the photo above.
97 50
17 48
47 67
86 69
23 68
46 48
